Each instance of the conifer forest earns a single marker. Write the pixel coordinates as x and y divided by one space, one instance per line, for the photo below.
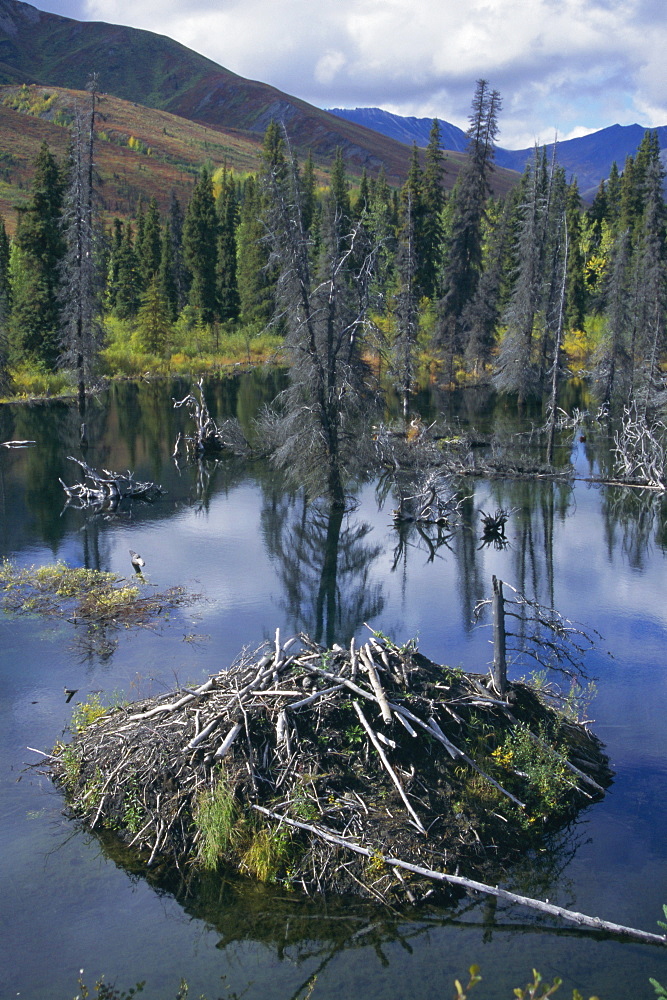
347 277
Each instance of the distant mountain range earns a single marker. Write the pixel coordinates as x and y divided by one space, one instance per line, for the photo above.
589 158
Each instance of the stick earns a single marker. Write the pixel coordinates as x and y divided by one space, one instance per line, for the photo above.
228 740
573 916
390 770
365 654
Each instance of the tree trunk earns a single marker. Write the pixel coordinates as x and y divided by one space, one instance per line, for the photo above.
499 670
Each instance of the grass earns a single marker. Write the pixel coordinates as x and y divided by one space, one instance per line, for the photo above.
225 834
95 599
217 820
30 382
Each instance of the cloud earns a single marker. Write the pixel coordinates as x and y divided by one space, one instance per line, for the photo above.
561 65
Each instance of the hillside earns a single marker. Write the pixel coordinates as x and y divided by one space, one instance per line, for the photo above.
140 152
150 69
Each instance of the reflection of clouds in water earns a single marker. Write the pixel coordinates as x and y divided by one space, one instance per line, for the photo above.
218 551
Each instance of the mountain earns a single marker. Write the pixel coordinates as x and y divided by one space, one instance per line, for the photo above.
152 70
588 158
407 130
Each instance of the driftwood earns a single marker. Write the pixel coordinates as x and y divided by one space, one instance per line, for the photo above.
284 730
106 489
16 444
208 438
434 502
471 885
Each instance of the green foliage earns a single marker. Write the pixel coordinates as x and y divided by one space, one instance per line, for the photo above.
217 822
87 712
133 807
71 765
474 978
107 991
268 853
539 764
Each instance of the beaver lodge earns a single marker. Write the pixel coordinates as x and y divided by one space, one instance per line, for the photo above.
312 766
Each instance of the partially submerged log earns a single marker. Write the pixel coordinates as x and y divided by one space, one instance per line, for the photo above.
402 757
106 489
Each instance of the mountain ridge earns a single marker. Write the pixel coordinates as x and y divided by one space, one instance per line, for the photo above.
37 47
588 157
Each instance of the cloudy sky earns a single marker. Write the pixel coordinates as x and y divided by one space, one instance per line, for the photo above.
571 66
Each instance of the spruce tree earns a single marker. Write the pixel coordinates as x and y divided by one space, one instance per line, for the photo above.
463 246
308 195
433 196
5 307
128 285
35 321
200 237
166 277
227 286
611 371
81 288
575 307
176 251
406 308
153 320
148 244
340 189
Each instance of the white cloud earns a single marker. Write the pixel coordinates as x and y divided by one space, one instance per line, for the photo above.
568 65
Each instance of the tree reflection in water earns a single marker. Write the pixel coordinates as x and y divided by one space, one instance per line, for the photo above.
324 561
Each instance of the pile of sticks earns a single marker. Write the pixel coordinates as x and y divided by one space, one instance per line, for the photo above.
367 748
106 489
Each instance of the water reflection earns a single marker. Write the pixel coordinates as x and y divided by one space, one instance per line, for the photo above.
324 560
263 557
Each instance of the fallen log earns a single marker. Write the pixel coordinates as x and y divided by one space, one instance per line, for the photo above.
471 885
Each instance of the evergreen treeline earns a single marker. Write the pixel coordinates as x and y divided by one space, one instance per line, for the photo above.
473 287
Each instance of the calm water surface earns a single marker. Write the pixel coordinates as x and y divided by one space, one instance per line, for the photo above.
262 559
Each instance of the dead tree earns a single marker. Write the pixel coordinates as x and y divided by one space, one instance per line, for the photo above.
546 637
639 448
319 424
208 437
499 669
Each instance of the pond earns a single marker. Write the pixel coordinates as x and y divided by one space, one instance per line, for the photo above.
261 559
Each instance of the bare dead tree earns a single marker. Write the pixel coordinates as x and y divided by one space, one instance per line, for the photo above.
81 334
547 638
639 448
208 436
320 422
